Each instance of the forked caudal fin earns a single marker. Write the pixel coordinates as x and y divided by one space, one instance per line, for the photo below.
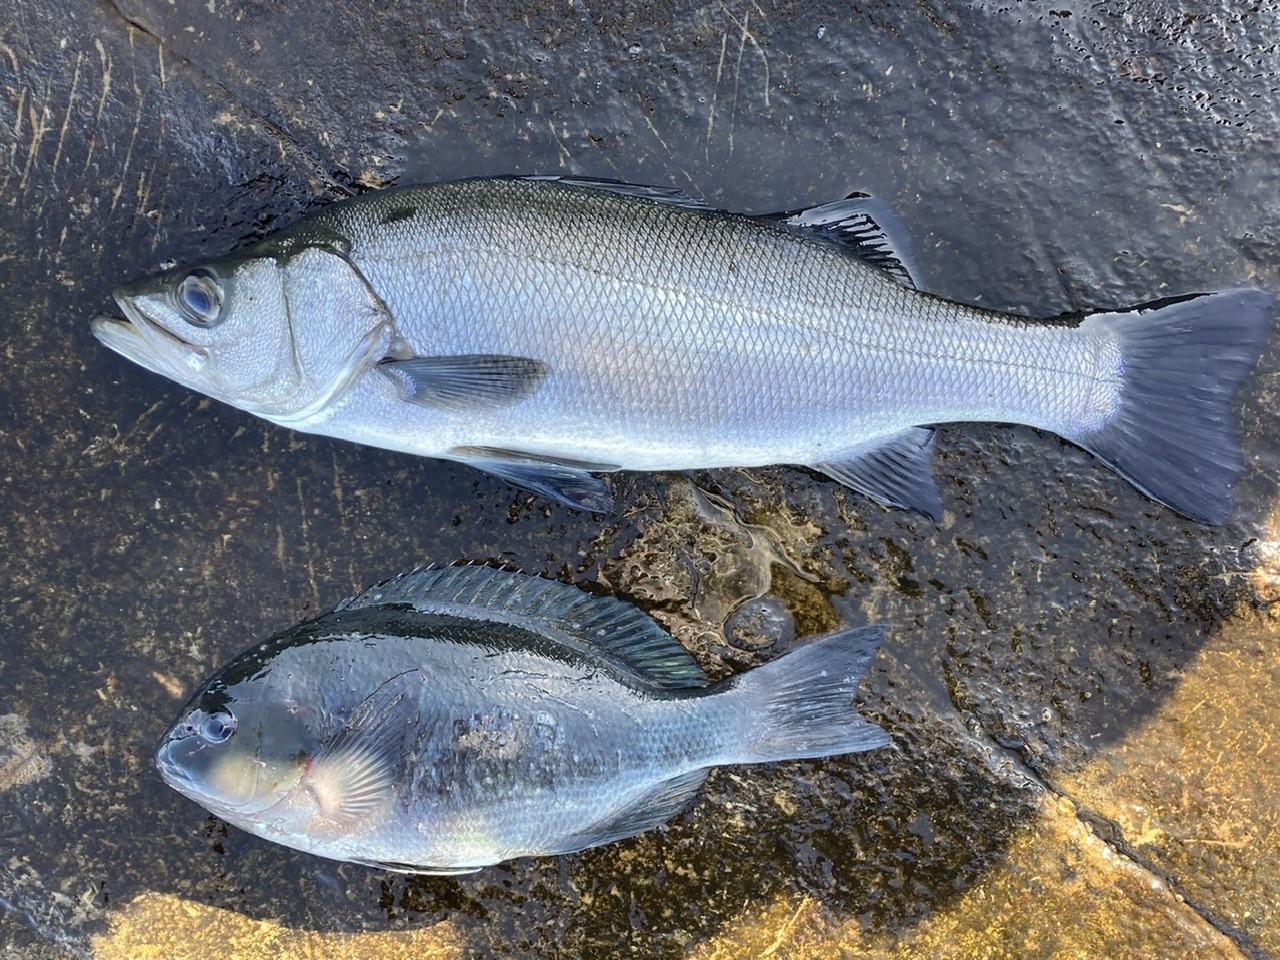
1174 435
801 705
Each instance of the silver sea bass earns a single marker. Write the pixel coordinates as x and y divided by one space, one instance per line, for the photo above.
545 329
454 718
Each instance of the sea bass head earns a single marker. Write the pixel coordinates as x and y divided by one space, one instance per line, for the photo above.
280 330
239 746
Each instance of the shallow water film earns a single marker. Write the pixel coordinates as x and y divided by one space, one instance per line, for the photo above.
1081 687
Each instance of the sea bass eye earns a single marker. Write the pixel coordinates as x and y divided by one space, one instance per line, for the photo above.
200 297
218 727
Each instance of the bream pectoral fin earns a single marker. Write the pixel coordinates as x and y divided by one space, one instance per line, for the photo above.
353 776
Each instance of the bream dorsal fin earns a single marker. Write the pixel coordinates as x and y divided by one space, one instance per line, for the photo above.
602 627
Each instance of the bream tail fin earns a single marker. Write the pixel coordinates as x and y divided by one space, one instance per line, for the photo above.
801 705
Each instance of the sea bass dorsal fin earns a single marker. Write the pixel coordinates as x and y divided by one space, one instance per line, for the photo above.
896 471
864 225
669 195
466 382
602 627
354 775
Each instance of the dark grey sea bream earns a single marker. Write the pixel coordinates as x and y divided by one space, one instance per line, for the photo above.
454 718
545 329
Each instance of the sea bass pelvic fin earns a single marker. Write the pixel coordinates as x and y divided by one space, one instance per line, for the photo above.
867 227
466 382
568 481
1173 435
896 472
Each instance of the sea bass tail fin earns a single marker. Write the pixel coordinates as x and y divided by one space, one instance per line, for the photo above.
801 705
1174 435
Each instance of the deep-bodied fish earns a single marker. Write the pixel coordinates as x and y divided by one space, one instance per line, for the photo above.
454 718
546 329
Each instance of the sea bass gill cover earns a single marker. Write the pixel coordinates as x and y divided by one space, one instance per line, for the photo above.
453 718
547 328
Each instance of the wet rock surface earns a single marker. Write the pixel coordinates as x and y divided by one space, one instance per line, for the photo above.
1078 683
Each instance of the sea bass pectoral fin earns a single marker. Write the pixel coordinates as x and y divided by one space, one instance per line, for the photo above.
1173 435
467 382
565 481
801 705
354 776
867 227
650 809
897 471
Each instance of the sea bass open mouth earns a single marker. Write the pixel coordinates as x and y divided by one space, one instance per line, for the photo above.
136 338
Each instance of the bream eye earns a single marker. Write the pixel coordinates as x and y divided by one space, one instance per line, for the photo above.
218 727
200 297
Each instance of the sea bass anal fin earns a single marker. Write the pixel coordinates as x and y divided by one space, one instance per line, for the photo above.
1173 435
566 481
867 227
466 382
413 868
652 808
354 775
897 471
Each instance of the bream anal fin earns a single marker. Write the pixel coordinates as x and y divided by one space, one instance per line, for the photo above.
396 867
651 809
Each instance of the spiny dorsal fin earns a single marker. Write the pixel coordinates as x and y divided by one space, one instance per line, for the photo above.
603 627
864 225
657 194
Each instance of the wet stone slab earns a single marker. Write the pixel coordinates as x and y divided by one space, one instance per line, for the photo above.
1079 684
